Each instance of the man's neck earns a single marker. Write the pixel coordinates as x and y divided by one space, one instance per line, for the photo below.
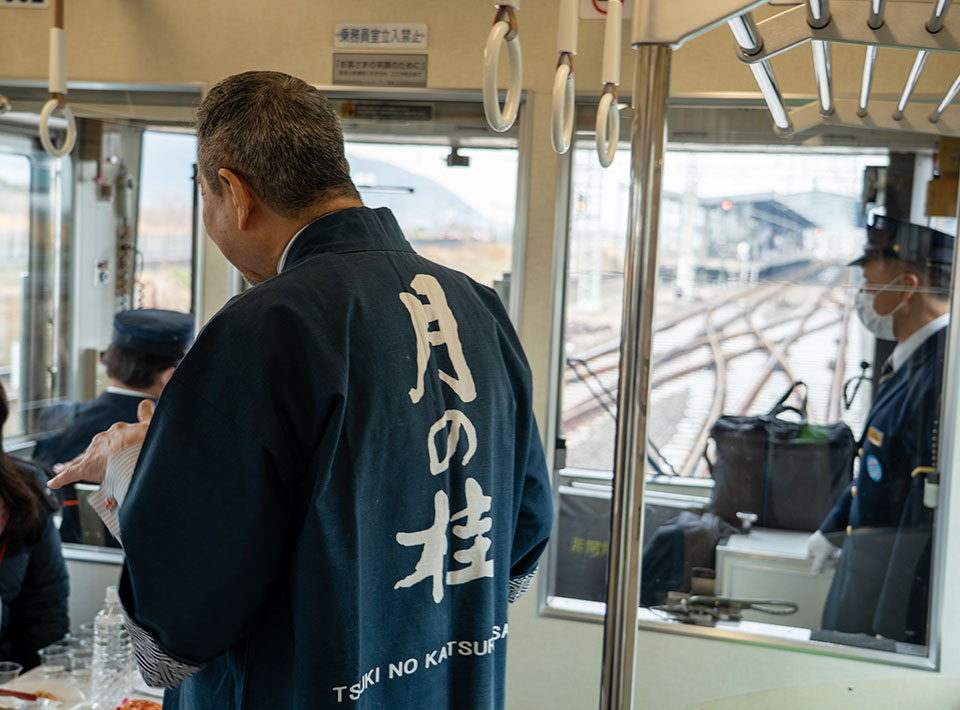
292 227
929 311
153 392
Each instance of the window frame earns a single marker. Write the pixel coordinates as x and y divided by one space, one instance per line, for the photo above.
771 636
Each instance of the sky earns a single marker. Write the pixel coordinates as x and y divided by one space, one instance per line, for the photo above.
167 158
472 184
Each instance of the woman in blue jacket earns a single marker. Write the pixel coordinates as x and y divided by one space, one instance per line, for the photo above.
33 578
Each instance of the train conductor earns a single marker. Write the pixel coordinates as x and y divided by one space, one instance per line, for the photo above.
146 346
881 585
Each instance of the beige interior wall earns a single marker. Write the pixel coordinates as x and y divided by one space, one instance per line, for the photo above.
553 664
183 41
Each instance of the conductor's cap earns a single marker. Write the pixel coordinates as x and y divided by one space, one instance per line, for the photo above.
895 239
153 331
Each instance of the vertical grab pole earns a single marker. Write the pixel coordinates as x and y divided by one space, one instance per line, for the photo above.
818 17
748 38
915 71
935 23
869 61
946 100
876 14
650 93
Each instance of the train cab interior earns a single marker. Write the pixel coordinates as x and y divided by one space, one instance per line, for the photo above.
682 205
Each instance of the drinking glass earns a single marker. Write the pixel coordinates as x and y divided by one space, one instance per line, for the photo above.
81 663
54 660
8 671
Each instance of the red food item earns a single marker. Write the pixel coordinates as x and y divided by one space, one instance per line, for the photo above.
139 705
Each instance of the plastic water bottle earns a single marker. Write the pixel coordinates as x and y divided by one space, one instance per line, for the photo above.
111 654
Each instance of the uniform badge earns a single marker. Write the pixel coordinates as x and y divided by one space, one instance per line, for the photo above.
874 469
875 437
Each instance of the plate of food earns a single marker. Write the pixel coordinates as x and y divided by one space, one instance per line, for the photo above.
57 695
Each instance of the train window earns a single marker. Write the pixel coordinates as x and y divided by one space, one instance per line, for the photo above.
455 205
781 428
14 266
165 233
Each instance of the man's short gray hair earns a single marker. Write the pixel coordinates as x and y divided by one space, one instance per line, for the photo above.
280 135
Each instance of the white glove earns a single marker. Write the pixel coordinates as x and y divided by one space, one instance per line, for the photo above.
821 550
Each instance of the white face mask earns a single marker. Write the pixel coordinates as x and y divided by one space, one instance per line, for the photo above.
880 325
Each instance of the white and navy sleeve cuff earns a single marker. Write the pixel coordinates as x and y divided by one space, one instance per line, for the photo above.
116 481
159 670
520 585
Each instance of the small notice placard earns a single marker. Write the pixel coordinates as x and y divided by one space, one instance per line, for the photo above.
375 111
33 4
380 69
382 35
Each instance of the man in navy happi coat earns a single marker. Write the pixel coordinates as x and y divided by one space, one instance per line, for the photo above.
343 484
882 582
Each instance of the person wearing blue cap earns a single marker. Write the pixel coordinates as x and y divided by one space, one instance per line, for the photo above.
146 346
882 522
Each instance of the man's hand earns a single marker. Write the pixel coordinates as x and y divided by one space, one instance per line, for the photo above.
91 465
821 550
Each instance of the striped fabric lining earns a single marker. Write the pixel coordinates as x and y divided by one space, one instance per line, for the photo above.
520 585
157 668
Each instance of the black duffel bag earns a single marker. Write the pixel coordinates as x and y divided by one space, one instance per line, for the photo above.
788 473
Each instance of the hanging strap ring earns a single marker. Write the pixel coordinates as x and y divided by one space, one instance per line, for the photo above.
48 108
608 125
504 32
564 94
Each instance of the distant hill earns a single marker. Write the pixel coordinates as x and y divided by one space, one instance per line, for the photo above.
431 209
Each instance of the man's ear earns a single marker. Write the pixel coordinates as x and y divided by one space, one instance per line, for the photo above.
910 284
239 195
164 377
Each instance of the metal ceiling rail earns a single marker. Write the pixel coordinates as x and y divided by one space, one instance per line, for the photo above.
899 25
904 26
876 14
748 38
911 84
869 61
939 13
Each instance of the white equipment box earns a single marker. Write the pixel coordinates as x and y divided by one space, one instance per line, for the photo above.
773 564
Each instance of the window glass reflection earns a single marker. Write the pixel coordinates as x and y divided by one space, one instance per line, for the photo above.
165 230
14 254
795 396
456 206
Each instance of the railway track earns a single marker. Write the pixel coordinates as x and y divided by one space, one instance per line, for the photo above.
733 356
